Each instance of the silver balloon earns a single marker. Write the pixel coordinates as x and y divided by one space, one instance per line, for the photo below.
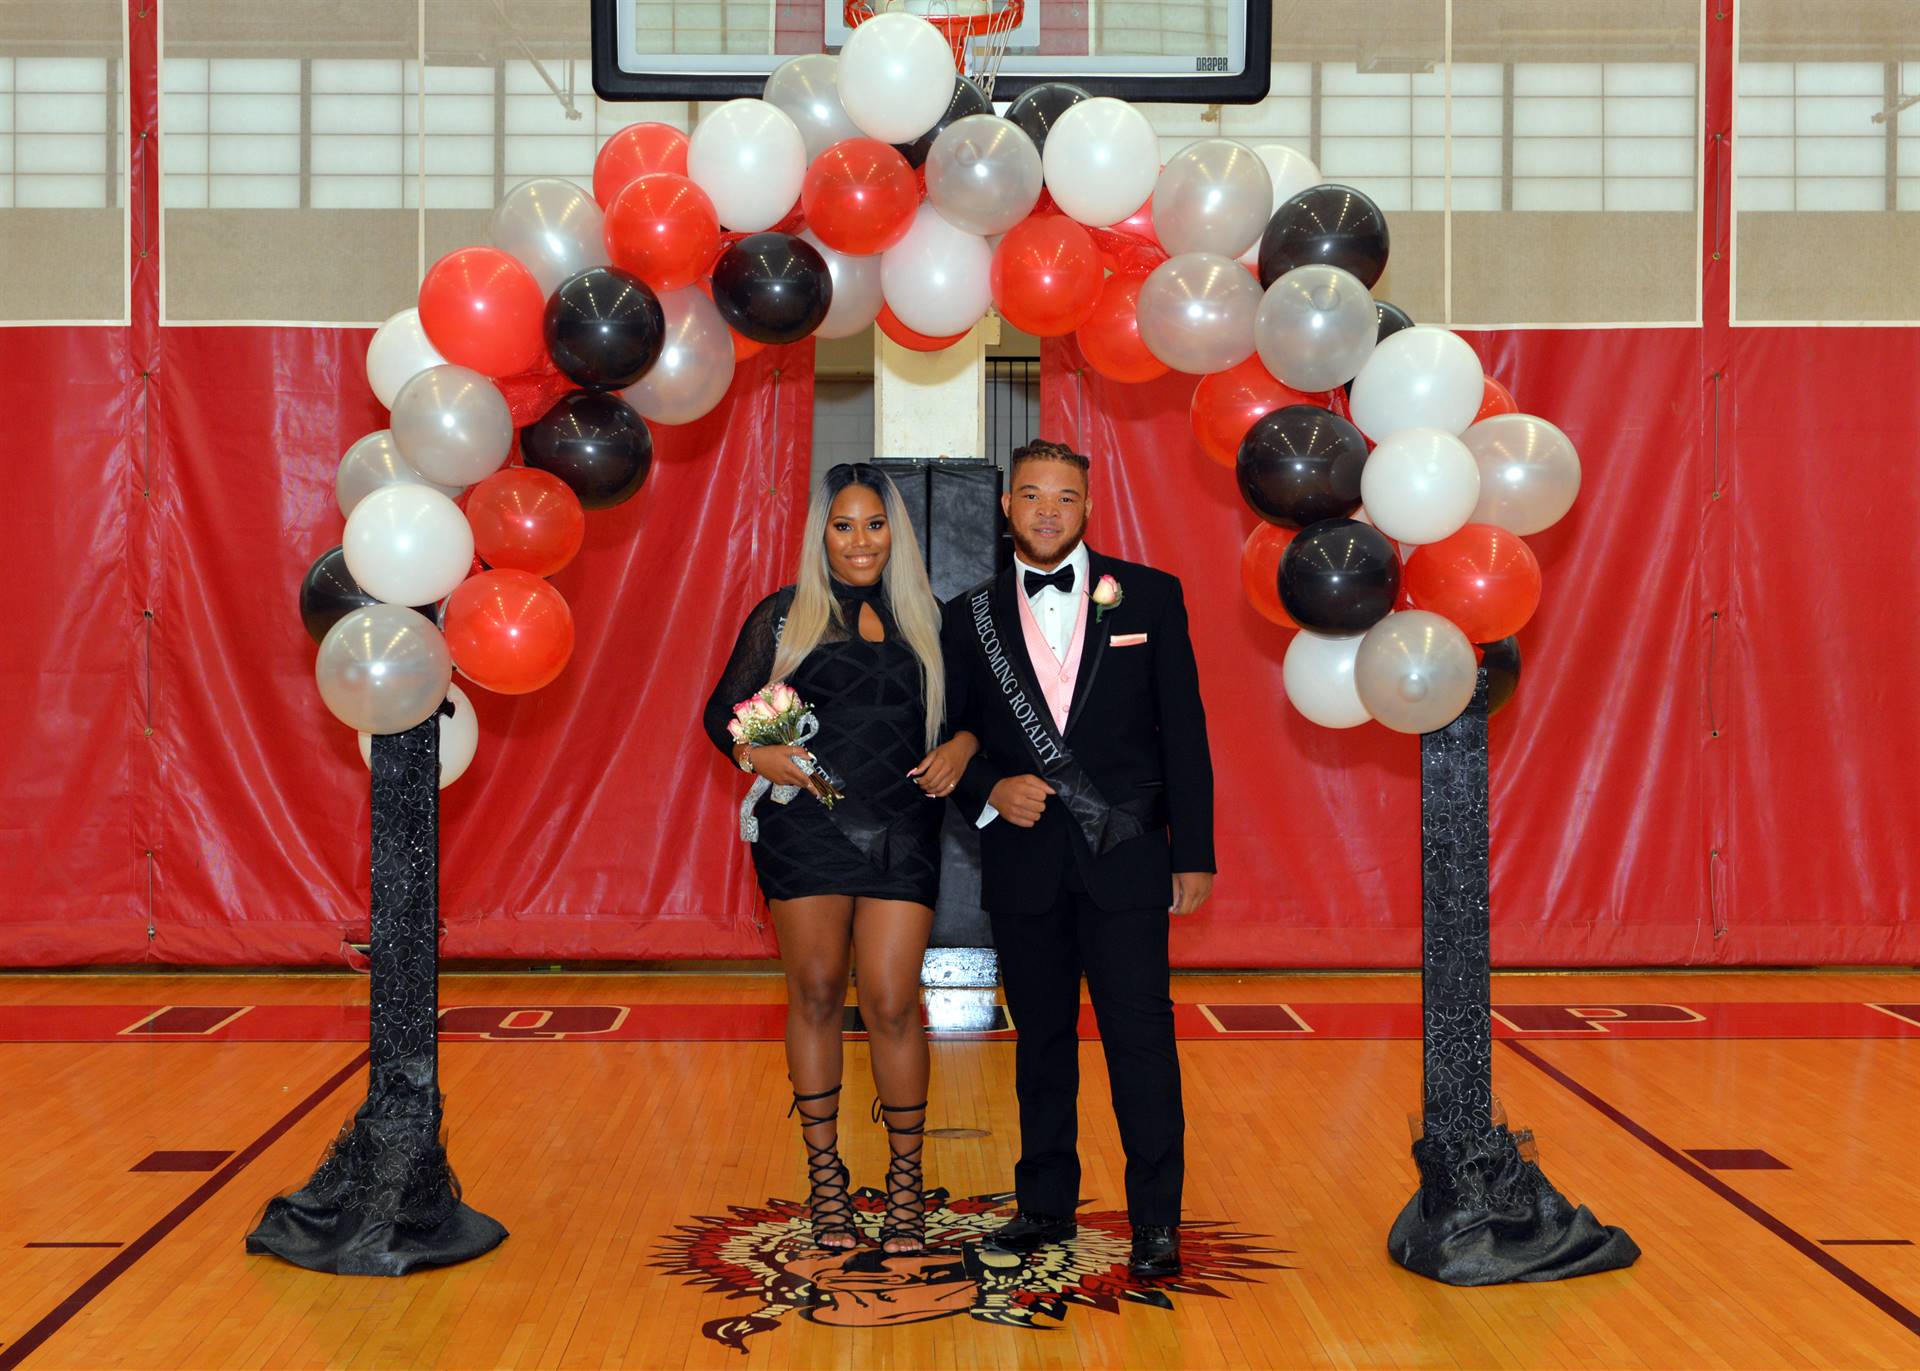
1197 311
1213 196
553 227
807 90
383 669
695 366
856 297
452 425
1316 327
1529 472
375 461
983 174
1415 671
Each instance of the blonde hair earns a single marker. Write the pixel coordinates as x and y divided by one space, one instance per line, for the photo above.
909 595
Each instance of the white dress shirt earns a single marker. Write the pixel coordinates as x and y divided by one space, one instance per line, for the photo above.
1058 614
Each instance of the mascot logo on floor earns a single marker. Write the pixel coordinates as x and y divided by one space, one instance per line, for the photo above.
766 1253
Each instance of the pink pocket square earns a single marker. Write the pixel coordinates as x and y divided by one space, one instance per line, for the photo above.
1127 640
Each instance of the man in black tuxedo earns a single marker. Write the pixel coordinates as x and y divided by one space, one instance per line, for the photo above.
1093 787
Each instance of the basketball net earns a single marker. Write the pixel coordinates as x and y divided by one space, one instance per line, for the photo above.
978 31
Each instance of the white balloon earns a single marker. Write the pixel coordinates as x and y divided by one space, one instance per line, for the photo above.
1529 472
695 367
398 353
1318 675
856 291
375 461
937 278
1102 158
1415 671
459 738
896 77
1420 485
408 545
1291 172
553 227
1420 377
807 88
749 158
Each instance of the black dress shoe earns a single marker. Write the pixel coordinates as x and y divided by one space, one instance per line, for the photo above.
1156 1251
1025 1232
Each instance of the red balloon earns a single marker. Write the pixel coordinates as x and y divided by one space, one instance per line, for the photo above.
1483 578
663 229
508 631
482 309
637 150
859 196
1228 403
1496 399
909 338
1260 571
1110 336
531 393
525 519
1046 276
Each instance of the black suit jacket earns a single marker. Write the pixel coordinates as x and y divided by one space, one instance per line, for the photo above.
1136 726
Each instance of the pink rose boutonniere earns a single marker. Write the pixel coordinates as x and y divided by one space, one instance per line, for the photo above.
1106 596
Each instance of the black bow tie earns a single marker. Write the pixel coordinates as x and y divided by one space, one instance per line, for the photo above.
1061 580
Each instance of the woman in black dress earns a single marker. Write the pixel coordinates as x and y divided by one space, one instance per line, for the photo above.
858 636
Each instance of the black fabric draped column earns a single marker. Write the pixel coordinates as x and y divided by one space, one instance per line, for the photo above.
1484 1213
384 1200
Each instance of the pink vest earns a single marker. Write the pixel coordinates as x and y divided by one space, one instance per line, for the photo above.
1055 676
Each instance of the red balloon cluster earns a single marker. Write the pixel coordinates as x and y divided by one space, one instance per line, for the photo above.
634 151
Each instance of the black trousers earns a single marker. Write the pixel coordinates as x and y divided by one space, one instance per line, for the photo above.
1124 957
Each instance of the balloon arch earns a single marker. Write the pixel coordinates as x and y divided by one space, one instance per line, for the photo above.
1394 482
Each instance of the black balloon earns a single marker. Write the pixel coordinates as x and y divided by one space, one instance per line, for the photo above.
604 328
1339 576
772 287
1502 661
1392 320
1329 225
967 99
595 443
1039 109
329 594
1300 465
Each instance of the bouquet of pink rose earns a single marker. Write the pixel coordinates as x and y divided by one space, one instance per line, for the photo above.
776 716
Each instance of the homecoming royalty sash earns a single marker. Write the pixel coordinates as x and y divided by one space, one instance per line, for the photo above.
1103 825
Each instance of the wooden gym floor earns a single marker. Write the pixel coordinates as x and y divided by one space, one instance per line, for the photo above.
1755 1133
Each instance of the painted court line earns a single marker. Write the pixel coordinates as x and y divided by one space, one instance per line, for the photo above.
62 1313
1806 1247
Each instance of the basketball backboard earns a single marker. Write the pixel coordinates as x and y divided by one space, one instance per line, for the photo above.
1186 51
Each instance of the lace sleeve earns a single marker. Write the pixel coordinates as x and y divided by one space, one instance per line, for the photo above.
748 668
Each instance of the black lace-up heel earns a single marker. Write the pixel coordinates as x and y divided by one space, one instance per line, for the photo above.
830 1206
906 1204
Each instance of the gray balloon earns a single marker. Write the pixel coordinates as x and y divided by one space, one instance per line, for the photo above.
1316 327
1415 671
1196 312
983 174
375 461
452 425
695 366
1529 472
1213 196
383 669
807 90
553 227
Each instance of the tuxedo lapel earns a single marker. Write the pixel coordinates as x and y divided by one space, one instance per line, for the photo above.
1013 635
1095 647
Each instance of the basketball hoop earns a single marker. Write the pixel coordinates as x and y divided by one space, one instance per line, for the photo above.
978 31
